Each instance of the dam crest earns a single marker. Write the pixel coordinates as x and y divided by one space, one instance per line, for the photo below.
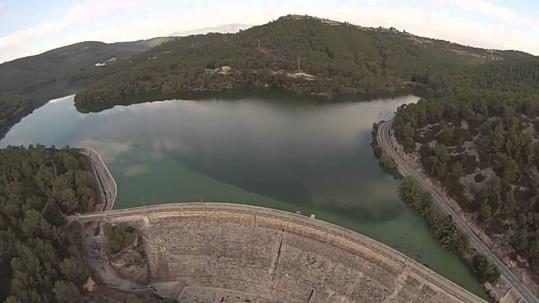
220 252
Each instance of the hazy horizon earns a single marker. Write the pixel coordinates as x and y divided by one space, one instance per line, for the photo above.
491 24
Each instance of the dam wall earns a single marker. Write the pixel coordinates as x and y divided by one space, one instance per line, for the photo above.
107 185
218 252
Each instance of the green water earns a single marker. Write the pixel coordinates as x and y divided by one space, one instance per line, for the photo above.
281 153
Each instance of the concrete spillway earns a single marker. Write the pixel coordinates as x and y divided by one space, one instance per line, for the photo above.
217 252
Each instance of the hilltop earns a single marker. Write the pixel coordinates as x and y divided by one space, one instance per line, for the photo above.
299 54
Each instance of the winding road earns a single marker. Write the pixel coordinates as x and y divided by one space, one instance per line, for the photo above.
384 139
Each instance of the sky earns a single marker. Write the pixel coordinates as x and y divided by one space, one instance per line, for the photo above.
29 27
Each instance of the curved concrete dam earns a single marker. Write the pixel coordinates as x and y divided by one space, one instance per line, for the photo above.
218 252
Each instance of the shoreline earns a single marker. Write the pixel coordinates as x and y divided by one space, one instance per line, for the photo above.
108 189
450 207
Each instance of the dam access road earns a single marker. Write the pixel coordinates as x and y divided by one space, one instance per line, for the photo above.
220 252
384 138
107 188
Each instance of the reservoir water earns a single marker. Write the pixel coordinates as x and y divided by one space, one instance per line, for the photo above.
281 153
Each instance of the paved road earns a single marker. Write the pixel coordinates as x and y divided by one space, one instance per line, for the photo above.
383 138
106 182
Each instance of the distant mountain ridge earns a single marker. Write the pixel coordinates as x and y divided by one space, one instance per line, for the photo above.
222 29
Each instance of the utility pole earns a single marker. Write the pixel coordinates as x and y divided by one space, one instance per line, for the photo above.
258 44
299 63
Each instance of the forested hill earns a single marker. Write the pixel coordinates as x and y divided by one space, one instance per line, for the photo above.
42 257
481 141
300 54
29 82
40 260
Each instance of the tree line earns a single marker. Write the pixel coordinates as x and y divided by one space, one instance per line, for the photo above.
443 228
485 131
39 258
345 60
40 254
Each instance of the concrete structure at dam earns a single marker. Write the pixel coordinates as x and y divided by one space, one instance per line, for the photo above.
218 252
107 189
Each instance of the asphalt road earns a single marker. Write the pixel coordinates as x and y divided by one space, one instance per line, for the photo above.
383 138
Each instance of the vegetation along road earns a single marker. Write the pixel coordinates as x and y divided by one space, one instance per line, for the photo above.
384 139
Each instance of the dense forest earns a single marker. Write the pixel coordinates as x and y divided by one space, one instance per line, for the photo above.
299 54
443 228
39 258
481 141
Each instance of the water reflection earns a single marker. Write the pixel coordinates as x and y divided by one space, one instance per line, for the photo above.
287 154
305 154
298 152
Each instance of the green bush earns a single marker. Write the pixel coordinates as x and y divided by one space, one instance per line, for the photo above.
119 237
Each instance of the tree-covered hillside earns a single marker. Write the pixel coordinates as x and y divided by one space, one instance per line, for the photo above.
29 82
39 258
481 140
41 254
300 54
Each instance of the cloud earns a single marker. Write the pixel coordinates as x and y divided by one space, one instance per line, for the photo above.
109 149
11 45
420 21
498 11
487 7
433 23
135 169
511 30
